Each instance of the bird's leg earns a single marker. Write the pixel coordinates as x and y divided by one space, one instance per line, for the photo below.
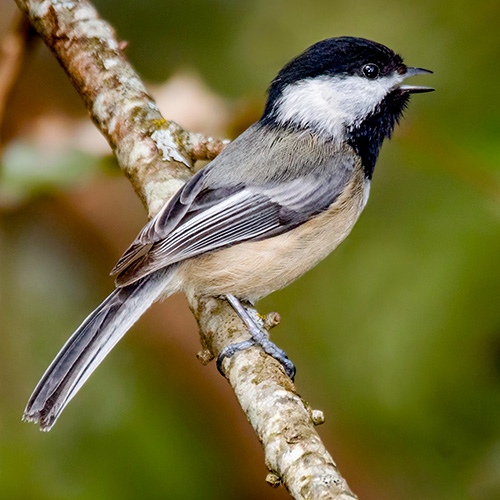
259 337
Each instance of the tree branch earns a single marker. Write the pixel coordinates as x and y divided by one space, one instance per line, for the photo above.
157 156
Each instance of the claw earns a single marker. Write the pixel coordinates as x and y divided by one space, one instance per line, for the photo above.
230 351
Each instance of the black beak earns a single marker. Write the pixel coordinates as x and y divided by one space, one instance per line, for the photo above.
415 89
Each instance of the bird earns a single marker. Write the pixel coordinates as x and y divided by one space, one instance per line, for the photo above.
275 202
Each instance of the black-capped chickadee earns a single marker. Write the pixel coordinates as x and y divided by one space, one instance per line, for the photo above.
273 204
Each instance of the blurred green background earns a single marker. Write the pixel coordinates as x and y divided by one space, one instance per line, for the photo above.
396 336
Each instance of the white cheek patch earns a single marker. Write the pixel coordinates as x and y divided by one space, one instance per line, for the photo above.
331 104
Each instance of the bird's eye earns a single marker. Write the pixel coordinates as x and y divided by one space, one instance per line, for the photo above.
371 71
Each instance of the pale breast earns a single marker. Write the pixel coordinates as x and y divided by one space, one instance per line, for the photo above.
252 270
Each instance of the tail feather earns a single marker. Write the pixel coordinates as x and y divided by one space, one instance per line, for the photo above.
88 346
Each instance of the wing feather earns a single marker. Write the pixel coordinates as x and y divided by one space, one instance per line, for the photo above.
200 219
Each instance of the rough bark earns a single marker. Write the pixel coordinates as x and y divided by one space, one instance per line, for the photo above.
157 156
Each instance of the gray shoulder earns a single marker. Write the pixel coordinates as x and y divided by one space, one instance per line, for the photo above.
262 156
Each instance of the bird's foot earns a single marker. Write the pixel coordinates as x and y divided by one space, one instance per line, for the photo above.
267 346
259 337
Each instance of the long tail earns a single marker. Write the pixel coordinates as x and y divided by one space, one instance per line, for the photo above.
89 345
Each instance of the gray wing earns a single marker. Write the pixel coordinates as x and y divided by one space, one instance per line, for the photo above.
200 219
